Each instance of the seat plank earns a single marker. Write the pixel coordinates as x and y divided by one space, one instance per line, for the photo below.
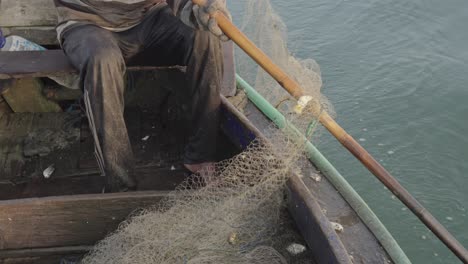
26 64
31 64
67 220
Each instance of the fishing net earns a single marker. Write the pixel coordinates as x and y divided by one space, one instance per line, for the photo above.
233 213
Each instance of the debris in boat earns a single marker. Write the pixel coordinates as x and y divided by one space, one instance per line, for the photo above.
49 171
316 177
173 168
233 239
44 141
337 227
298 172
296 249
145 138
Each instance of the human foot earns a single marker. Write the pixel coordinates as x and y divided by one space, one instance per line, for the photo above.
196 168
206 170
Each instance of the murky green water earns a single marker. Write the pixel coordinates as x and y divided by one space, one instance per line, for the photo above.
397 74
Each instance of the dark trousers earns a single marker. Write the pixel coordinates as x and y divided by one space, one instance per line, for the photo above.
161 39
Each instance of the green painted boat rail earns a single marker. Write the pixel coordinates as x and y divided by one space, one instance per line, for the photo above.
331 173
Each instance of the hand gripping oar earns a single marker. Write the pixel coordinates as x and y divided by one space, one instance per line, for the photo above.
339 133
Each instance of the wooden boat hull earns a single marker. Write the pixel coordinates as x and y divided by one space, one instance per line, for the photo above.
42 230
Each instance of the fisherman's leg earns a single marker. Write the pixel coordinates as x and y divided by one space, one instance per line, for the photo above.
167 41
205 72
96 53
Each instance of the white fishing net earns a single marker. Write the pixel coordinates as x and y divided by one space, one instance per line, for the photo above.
234 213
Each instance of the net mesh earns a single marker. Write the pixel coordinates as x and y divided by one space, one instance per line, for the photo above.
232 213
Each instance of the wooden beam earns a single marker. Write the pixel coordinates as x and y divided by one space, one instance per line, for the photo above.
67 220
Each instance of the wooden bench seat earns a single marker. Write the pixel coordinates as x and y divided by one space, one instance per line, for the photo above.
30 64
27 64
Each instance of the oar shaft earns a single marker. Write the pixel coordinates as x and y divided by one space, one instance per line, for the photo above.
338 132
397 189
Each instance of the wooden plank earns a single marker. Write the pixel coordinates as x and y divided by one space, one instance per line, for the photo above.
24 64
39 252
88 182
41 35
314 225
25 96
67 220
22 13
21 64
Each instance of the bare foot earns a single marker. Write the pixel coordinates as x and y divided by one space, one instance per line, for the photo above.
207 171
195 168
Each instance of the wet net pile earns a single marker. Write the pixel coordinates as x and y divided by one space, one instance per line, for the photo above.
232 214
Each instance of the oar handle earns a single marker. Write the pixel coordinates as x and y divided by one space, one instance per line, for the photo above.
260 57
199 2
339 133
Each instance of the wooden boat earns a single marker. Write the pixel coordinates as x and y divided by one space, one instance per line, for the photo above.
44 220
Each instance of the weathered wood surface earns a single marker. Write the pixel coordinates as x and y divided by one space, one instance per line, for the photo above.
25 139
27 64
67 220
41 35
314 225
41 255
26 96
23 13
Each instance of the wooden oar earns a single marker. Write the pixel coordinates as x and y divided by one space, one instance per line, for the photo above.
339 133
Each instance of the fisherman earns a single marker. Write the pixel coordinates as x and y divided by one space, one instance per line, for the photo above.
101 37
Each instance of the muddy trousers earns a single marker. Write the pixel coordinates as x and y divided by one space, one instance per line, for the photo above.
161 39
